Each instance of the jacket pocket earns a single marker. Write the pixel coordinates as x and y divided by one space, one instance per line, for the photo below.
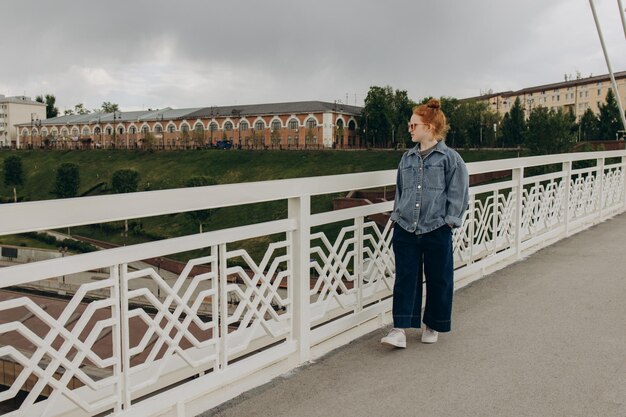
434 177
408 178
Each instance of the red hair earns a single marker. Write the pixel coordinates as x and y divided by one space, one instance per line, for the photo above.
431 113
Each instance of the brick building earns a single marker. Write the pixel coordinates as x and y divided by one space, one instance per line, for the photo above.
295 125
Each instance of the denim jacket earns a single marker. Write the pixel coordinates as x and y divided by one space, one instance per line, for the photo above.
431 191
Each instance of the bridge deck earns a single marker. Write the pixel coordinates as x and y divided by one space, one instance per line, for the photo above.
543 337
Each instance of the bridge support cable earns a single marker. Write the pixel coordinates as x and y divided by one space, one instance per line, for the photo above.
606 55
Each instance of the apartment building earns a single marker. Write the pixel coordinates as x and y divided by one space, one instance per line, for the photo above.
574 95
18 110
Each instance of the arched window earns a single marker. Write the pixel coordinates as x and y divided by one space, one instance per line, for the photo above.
74 131
228 126
311 123
64 132
132 130
213 127
198 127
120 130
259 125
243 125
158 129
184 127
171 128
276 125
24 132
97 130
339 124
145 129
351 125
293 124
86 131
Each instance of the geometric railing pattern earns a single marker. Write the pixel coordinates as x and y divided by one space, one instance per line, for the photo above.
138 340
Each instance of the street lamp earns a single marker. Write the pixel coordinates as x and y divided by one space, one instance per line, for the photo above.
34 121
115 117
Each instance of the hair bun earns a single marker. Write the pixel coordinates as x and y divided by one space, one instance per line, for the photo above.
433 103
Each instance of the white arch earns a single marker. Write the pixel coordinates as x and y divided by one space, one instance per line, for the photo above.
184 123
228 119
211 122
54 131
44 131
309 117
276 118
293 118
35 131
145 124
352 119
122 126
85 129
259 118
131 125
158 124
167 128
340 117
65 132
196 123
244 119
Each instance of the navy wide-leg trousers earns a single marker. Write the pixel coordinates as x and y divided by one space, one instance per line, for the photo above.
428 255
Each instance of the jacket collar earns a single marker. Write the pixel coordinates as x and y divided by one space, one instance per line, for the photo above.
440 147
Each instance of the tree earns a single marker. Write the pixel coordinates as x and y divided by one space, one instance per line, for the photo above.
67 180
200 216
385 115
81 109
147 141
124 181
68 112
198 137
471 124
401 110
109 107
514 125
609 120
550 132
50 100
589 129
13 173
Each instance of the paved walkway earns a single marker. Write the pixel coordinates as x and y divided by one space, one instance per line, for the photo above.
543 337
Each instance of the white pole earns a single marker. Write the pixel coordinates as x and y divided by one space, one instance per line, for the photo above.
622 14
608 62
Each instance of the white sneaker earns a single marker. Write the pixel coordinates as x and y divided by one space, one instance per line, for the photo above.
396 337
429 335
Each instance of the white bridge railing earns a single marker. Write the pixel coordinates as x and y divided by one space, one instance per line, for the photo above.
135 341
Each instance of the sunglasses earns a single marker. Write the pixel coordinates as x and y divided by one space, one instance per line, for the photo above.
414 125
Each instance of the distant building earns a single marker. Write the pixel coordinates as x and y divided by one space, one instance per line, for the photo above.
296 125
15 111
574 95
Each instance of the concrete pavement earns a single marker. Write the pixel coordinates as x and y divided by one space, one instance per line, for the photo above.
543 337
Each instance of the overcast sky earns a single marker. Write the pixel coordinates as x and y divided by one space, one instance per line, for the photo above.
154 53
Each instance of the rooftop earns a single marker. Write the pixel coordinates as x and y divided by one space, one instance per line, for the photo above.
205 112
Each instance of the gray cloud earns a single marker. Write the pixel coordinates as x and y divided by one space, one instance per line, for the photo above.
190 53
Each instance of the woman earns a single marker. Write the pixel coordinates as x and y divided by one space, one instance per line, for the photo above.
431 197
